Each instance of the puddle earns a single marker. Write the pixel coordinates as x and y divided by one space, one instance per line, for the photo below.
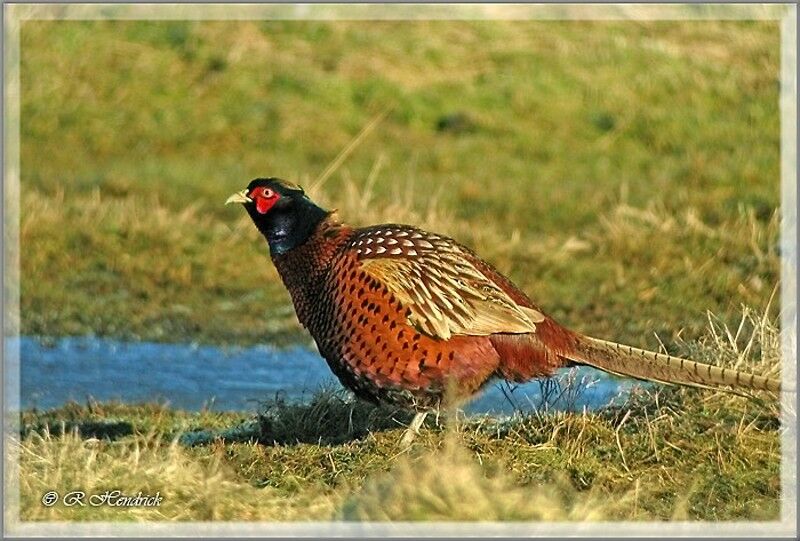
189 376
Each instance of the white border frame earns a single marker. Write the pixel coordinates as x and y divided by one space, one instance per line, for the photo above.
15 14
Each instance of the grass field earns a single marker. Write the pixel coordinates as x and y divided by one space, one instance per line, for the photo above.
624 174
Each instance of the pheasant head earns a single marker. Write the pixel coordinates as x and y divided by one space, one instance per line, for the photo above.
281 211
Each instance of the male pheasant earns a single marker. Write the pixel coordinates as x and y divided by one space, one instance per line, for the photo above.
412 318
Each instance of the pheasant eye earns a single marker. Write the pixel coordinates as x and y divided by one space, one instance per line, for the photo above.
268 193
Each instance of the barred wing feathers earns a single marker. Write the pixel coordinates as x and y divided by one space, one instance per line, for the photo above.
433 277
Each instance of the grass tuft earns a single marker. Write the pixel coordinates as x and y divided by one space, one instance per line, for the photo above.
449 485
191 488
332 417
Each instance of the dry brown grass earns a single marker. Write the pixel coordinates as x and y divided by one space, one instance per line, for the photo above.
191 488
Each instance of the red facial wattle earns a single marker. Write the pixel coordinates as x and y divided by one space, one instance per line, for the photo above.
264 199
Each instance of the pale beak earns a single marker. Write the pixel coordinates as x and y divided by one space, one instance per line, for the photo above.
239 197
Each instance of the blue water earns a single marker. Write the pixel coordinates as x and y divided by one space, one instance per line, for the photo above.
189 376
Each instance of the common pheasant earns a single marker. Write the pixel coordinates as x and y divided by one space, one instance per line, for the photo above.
415 319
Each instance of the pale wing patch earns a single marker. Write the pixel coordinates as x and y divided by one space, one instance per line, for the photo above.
534 315
447 295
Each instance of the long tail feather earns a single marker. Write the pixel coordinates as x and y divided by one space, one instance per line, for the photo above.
628 361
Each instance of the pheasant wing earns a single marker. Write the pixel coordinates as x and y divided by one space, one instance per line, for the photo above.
433 277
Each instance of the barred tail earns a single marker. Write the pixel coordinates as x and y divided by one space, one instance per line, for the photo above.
628 361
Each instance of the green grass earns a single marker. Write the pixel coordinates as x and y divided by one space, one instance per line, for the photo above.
134 133
624 174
